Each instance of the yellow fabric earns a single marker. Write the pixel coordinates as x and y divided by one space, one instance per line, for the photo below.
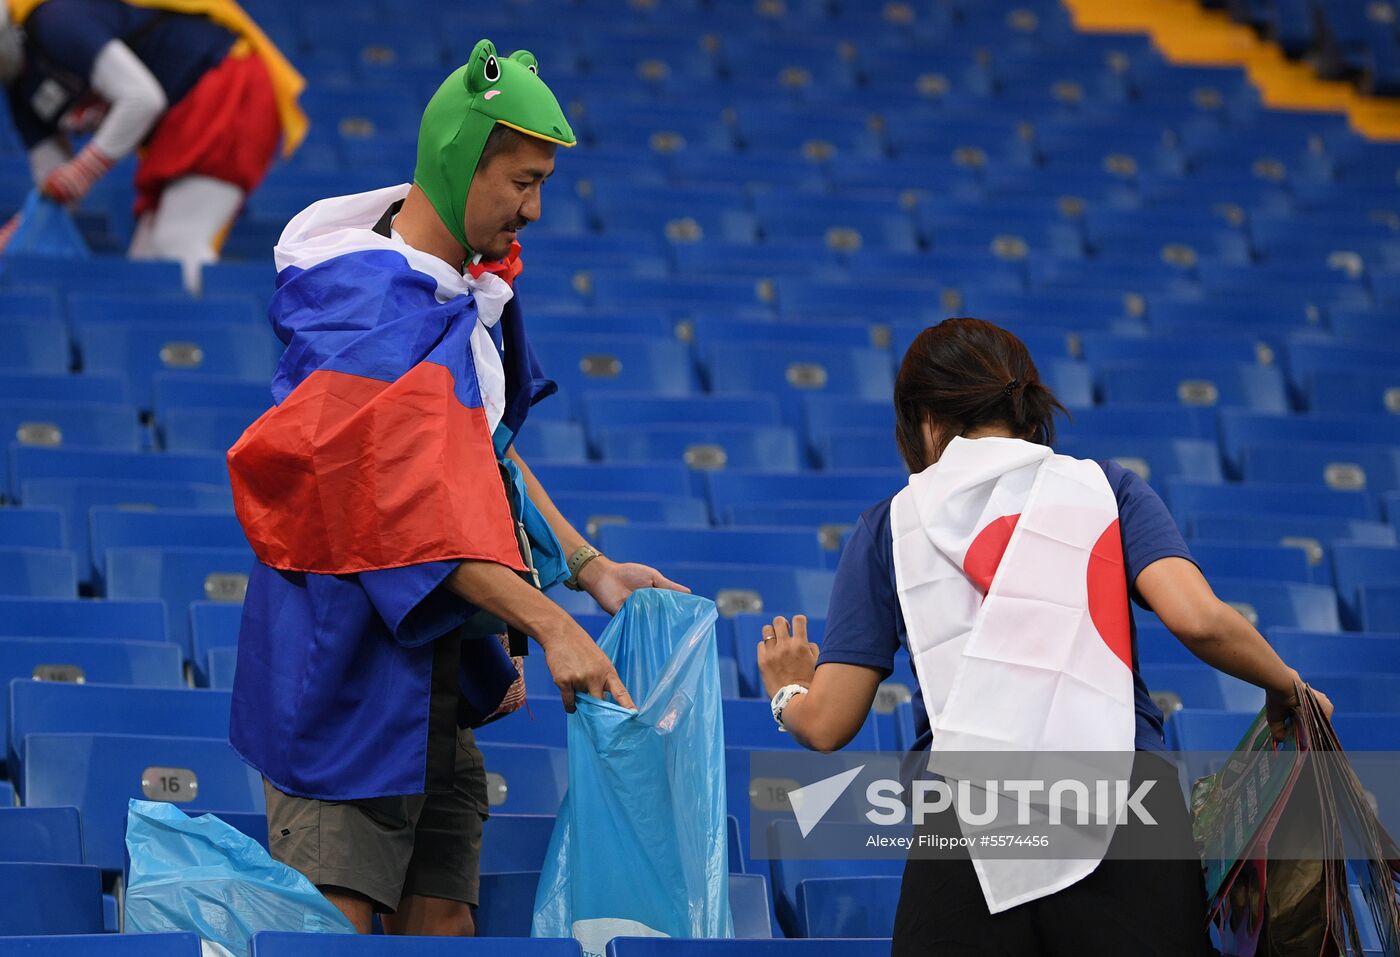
1187 34
287 83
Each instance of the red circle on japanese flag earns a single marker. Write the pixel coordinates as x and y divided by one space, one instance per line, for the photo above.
984 555
1108 594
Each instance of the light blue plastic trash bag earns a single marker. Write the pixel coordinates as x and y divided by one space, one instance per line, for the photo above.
639 847
200 875
46 229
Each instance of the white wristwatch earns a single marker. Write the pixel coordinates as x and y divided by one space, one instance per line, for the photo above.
781 699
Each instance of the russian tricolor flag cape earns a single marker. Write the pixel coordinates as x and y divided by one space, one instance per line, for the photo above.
392 403
1009 569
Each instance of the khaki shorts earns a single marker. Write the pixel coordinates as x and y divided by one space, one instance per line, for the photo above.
389 848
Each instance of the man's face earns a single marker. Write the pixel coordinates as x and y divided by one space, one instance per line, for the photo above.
505 196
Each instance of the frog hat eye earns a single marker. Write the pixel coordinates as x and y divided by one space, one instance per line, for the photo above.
491 72
527 59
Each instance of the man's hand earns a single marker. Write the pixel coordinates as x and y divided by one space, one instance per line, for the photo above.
1282 704
786 657
577 664
610 582
69 182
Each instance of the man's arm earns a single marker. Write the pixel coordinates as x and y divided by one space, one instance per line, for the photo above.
574 660
609 582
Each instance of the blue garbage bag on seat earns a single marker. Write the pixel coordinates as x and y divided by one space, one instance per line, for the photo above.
46 229
200 875
640 844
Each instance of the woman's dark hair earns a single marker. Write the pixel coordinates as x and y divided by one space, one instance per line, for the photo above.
964 374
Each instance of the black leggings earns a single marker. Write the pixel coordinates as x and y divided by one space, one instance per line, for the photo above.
1125 907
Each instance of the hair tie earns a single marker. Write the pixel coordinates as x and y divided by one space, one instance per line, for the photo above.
1012 386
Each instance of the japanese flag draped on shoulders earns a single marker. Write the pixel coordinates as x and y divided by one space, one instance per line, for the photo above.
1009 569
392 398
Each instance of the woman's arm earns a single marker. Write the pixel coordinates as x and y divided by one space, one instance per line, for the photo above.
1176 590
839 696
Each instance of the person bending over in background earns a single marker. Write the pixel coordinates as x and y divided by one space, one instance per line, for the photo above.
1006 571
401 541
193 83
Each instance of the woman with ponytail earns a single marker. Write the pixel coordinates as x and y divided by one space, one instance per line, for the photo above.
1006 571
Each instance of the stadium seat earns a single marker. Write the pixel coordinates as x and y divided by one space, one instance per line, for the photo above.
178 576
792 371
736 446
275 944
1239 428
167 527
864 914
127 308
1354 392
36 527
756 588
1155 460
38 345
205 430
546 441
584 363
41 835
524 778
859 448
589 512
614 479
750 905
28 463
100 773
99 274
516 842
858 907
193 390
1139 421
602 413
661 546
1213 383
1258 498
38 573
1199 686
824 415
1373 468
220 664
1314 535
152 664
1358 566
543 724
82 618
1307 357
65 388
49 899
1312 652
75 498
50 424
737 487
1252 562
108 945
1380 607
50 707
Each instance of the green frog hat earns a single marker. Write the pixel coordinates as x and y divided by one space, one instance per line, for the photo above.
486 90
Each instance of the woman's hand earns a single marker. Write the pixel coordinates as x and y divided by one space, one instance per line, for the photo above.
1280 705
610 583
786 657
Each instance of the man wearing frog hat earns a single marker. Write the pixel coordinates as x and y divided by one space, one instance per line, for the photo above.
402 543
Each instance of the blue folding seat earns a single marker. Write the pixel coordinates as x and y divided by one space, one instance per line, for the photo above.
860 448
1380 607
736 446
800 298
82 618
1270 604
1355 391
1311 535
51 424
141 349
99 274
23 305
257 279
793 371
546 441
1077 309
35 345
7 794
615 479
178 576
116 527
1255 562
589 511
53 707
1195 460
580 363
524 778
1358 692
737 487
1259 388
1181 316
1357 566
1207 729
41 835
1100 348
688 215
661 546
220 664
506 918
44 899
1374 468
570 321
848 225
1361 324
832 519
678 947
1257 498
150 664
197 391
823 414
1307 356
29 462
31 527
1318 283
758 261
1312 652
518 842
127 308
543 725
794 879
110 944
38 573
100 773
205 430
603 412
1239 428
749 902
616 291
707 331
1201 686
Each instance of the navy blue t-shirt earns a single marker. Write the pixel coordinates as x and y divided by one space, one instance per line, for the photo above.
865 626
63 38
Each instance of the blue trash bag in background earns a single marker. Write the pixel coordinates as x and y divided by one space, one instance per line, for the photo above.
639 847
46 229
200 875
